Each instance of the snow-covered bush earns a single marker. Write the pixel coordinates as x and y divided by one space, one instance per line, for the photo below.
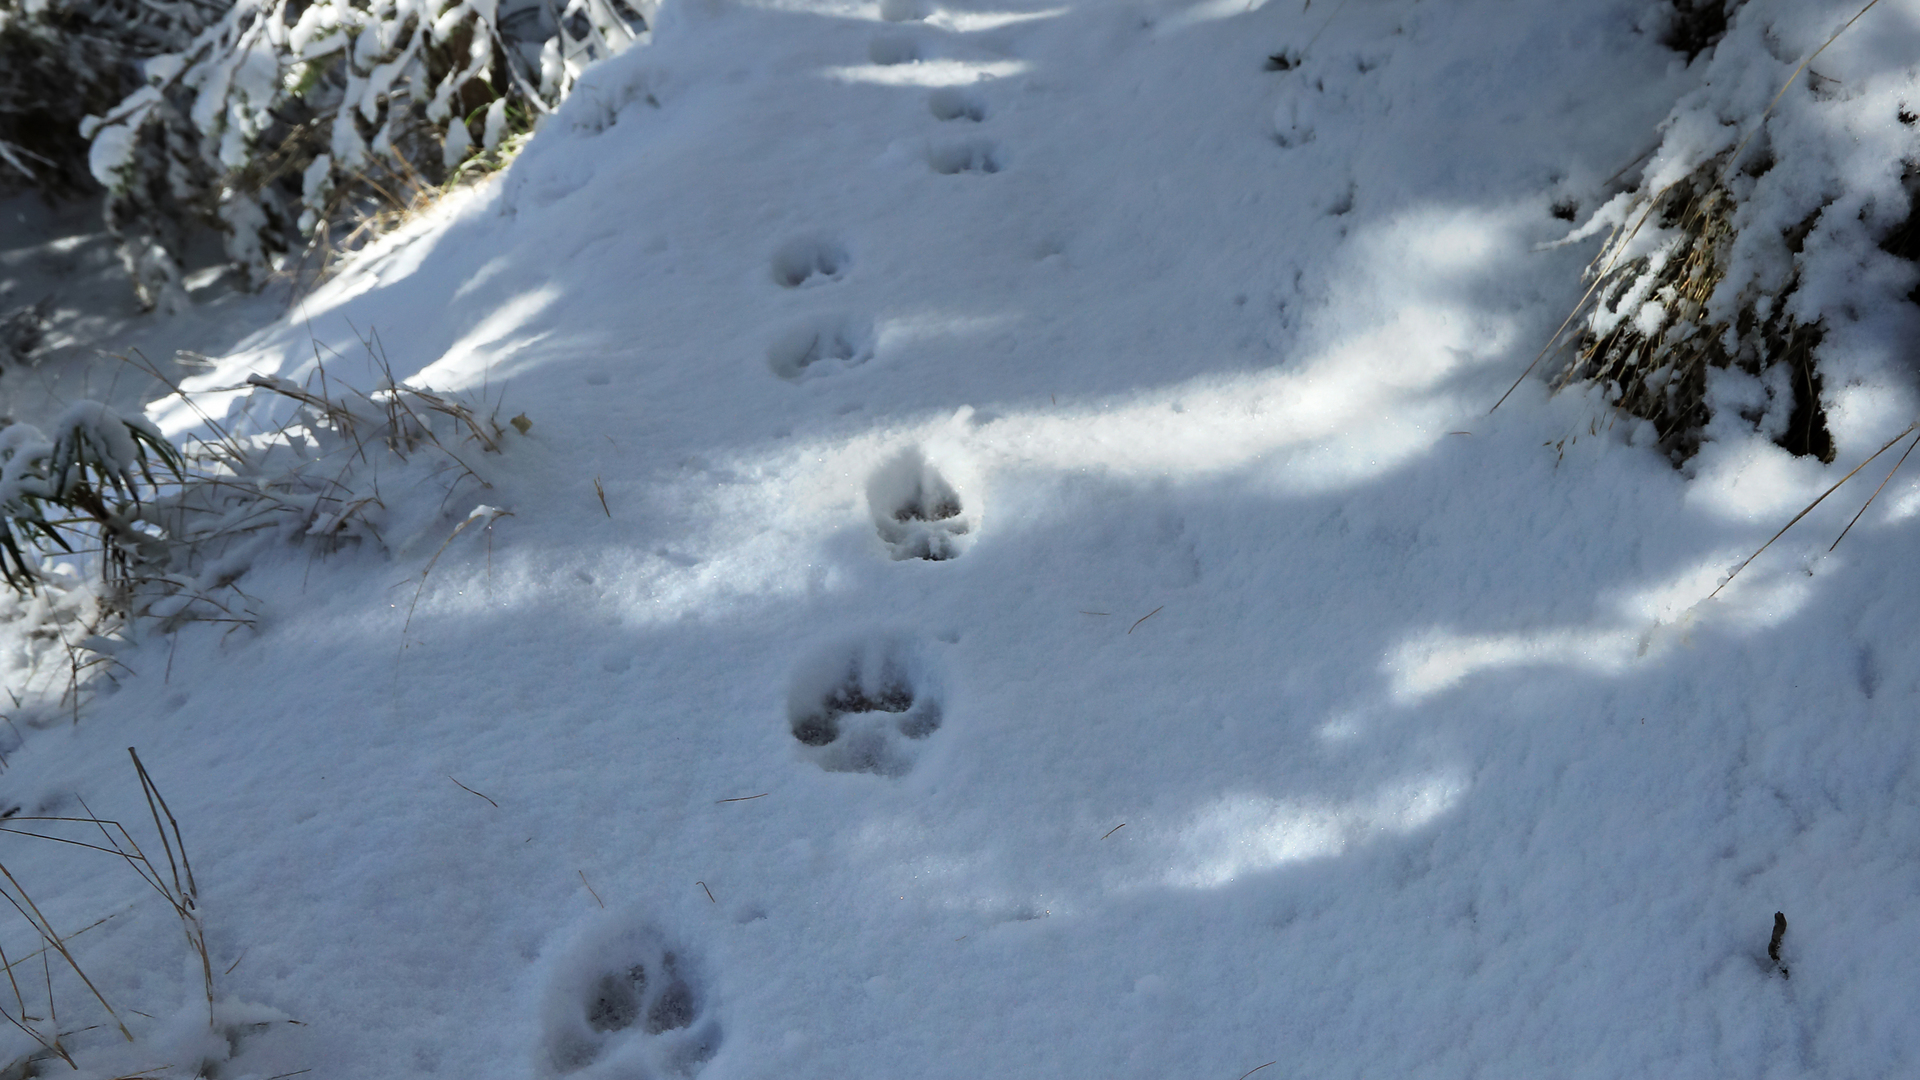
284 120
63 59
171 542
90 474
1758 262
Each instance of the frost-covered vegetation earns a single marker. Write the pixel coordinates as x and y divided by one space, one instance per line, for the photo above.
287 125
1774 217
1014 540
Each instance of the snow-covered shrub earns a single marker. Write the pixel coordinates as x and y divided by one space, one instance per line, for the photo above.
348 467
90 474
285 119
171 542
1762 240
63 59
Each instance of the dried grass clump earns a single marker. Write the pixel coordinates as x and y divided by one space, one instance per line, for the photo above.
385 195
168 534
1655 321
316 481
28 993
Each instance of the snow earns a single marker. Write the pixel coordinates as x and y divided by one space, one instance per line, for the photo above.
1268 699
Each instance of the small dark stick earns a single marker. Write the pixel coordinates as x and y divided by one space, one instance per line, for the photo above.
709 892
1115 829
1773 947
1144 618
470 791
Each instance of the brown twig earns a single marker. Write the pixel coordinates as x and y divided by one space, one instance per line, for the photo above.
589 885
743 798
709 892
1144 618
1773 947
1250 1072
1113 830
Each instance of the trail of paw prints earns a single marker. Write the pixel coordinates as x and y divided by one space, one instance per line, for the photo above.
917 511
865 707
623 1004
947 104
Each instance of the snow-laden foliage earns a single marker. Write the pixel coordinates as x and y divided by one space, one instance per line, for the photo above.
93 477
1768 220
172 543
284 119
63 59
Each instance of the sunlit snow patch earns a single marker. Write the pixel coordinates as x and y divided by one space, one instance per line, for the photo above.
927 72
1243 834
1649 622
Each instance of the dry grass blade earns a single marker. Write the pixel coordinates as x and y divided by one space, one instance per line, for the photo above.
1659 372
53 1047
1809 507
101 921
470 791
1876 493
135 858
186 899
1144 618
31 912
1552 339
156 804
484 514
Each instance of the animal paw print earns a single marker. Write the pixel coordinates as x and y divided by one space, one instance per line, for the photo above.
971 156
951 103
821 345
918 513
865 709
809 260
625 1005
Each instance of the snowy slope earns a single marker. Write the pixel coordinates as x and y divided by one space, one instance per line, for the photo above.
1429 758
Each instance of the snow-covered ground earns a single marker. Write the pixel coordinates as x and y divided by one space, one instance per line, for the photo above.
1266 699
